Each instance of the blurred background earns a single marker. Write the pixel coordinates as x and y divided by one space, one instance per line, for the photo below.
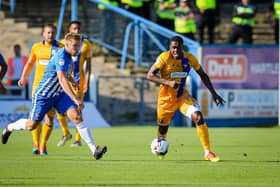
126 38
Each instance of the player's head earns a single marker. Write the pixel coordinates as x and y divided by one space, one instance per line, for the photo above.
176 47
49 32
17 50
74 27
72 43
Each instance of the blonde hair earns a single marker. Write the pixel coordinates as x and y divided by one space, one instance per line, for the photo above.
70 36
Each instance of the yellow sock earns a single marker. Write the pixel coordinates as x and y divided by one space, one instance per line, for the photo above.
63 124
46 132
36 135
202 132
77 135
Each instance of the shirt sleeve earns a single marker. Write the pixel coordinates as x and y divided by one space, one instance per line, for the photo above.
60 63
160 61
87 50
32 54
193 62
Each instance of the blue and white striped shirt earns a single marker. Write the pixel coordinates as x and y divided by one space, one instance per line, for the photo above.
49 86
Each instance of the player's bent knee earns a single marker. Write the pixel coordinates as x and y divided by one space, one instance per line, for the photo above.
75 116
197 118
49 121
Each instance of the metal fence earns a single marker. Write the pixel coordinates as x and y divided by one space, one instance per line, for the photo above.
127 99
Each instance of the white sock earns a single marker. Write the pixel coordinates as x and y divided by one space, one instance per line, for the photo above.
86 136
206 152
17 125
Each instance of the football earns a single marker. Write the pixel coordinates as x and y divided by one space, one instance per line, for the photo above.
159 146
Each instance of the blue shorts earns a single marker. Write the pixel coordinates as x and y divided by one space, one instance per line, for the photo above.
41 105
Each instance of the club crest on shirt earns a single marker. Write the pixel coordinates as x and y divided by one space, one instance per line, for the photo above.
61 62
53 52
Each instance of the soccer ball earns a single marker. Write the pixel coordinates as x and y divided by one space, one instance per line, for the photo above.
159 146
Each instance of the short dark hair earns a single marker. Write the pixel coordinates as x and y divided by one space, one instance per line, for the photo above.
74 22
50 25
177 39
17 46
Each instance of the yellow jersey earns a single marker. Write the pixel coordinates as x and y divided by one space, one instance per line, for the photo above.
84 53
41 55
175 69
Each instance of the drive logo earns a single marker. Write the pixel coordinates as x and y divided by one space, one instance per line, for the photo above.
226 67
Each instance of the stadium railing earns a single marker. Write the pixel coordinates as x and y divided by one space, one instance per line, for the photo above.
140 25
12 5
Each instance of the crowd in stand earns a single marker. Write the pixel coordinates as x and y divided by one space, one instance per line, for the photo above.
191 17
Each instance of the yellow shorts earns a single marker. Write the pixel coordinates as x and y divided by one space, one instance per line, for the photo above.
167 106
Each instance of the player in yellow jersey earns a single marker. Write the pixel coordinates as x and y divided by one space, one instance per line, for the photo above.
41 53
174 66
81 77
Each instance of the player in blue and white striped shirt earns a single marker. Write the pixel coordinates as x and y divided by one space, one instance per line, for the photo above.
54 91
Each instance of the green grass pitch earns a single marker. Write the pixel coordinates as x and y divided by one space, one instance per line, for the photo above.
250 157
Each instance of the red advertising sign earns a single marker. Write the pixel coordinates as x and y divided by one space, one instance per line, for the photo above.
226 67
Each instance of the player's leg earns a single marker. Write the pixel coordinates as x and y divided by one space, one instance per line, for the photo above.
21 124
165 112
36 139
62 119
47 130
192 110
66 105
77 142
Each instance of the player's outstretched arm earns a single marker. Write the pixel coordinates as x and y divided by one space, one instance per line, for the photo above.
26 71
207 82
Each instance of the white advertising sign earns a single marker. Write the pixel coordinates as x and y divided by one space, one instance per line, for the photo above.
240 103
15 109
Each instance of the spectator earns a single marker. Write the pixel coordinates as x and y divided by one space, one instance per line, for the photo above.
16 64
243 22
165 11
207 16
184 20
274 15
3 70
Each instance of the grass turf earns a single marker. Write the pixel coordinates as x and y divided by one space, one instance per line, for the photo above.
250 157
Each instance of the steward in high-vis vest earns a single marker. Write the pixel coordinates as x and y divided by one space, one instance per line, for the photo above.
111 2
243 22
184 20
207 16
165 11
